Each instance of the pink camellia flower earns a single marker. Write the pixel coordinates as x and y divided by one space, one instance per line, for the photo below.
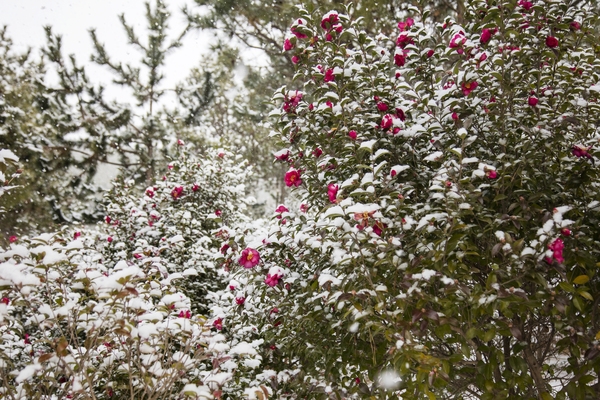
288 45
492 174
581 151
455 116
76 235
468 87
329 77
218 323
532 101
329 21
387 121
281 209
303 208
557 250
551 42
107 219
292 178
486 35
249 258
483 57
332 191
5 300
218 213
575 25
526 4
177 192
240 300
317 152
404 26
150 192
295 59
272 280
137 256
565 232
457 42
26 339
353 135
195 187
109 239
430 53
13 239
381 106
180 142
185 314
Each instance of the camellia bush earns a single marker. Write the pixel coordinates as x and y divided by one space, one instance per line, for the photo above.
118 311
448 237
180 221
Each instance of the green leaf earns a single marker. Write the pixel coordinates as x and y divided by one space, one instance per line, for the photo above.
581 280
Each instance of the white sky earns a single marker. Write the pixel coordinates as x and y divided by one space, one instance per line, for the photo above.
73 18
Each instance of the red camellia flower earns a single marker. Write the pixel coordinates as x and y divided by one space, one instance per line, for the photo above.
565 232
491 174
581 151
387 121
353 135
526 4
240 300
107 219
403 40
575 25
468 87
292 178
317 152
282 155
551 42
299 35
109 239
177 192
329 20
295 59
381 106
532 101
303 208
218 213
430 53
400 114
288 45
218 323
329 77
185 314
5 300
400 59
455 116
249 259
13 239
224 248
332 191
150 192
76 235
486 35
378 228
195 187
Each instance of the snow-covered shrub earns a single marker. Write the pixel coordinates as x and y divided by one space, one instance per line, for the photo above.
72 328
448 240
180 222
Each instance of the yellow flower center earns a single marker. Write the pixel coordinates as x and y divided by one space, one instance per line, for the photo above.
249 256
468 85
